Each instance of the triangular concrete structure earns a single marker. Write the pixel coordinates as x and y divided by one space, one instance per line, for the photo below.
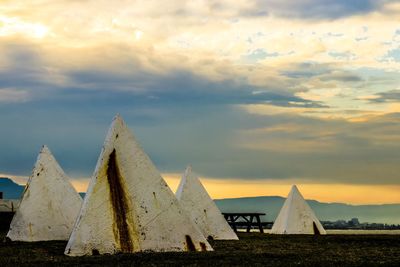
129 207
296 217
49 204
194 198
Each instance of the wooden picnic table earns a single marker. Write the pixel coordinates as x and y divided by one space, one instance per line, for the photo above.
247 219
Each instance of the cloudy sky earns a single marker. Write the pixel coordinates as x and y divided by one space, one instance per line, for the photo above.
256 95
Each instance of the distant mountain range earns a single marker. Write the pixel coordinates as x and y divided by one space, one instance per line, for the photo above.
387 213
271 205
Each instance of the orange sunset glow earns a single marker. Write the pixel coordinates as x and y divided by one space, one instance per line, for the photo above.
233 188
351 194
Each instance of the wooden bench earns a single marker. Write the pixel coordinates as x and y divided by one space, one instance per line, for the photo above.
246 219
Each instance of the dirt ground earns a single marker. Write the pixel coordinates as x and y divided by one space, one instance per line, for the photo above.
252 249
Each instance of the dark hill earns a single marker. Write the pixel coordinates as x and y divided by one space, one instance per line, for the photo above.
388 213
10 189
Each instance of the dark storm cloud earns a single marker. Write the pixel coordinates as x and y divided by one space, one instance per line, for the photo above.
182 118
307 70
24 67
389 96
314 9
218 140
341 76
72 116
186 88
323 72
128 80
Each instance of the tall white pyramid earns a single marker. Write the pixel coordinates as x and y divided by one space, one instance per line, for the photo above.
129 207
194 198
49 204
296 217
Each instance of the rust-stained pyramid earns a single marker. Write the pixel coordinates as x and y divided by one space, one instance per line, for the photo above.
296 217
194 198
129 207
49 204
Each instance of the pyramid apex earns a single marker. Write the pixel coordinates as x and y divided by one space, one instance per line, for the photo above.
295 191
117 122
188 169
118 119
45 153
45 149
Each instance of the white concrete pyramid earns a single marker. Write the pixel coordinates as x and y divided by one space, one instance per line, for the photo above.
49 204
129 207
296 217
194 198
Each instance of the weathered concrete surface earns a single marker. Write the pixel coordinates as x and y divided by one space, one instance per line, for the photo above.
129 207
296 217
194 198
49 205
9 205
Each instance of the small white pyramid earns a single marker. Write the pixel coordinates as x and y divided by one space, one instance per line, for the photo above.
194 198
296 217
49 204
129 207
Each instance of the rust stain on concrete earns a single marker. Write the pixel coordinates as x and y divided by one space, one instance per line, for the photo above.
119 203
203 246
30 230
189 243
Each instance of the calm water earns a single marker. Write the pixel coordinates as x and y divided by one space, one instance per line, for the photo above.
353 232
363 232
